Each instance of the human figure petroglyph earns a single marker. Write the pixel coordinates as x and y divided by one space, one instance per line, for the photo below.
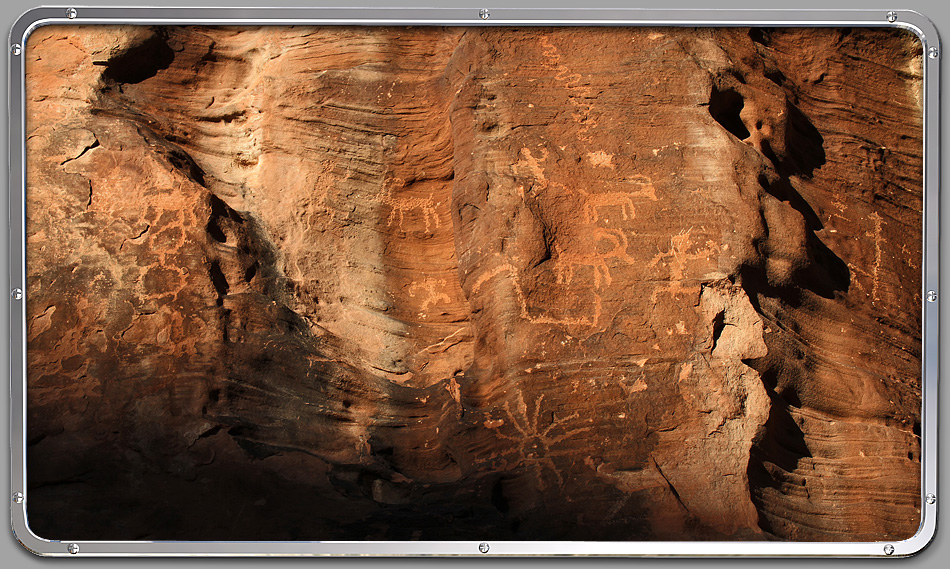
679 243
435 289
677 257
531 166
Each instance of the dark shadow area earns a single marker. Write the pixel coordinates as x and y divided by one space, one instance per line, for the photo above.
779 448
221 215
142 61
826 273
725 106
776 76
114 497
804 145
761 35
783 190
182 161
755 283
219 281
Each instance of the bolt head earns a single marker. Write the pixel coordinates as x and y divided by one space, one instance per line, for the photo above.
18 497
931 296
888 549
933 52
15 49
931 498
484 14
892 17
16 294
73 548
483 547
71 14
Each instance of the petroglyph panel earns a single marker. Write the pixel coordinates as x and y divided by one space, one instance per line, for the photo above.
367 283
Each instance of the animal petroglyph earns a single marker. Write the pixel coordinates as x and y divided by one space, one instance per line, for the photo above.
526 311
401 205
569 260
602 159
594 201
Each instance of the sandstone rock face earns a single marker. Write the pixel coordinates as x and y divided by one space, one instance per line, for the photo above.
478 283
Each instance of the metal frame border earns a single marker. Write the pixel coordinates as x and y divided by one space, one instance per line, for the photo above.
906 19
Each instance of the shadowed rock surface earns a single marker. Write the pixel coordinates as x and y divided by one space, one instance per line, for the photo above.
473 283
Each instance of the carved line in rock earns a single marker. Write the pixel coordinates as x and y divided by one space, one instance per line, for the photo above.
395 428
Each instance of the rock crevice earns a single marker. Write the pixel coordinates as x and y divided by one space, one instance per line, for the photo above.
433 283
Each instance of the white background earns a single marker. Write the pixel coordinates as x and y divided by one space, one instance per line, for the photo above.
12 555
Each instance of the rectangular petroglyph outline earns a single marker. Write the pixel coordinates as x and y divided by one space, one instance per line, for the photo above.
475 16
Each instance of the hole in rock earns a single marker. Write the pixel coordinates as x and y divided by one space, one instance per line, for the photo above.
219 281
250 272
214 230
760 35
719 323
776 77
141 62
725 106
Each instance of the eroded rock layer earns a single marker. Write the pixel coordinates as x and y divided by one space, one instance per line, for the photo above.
477 283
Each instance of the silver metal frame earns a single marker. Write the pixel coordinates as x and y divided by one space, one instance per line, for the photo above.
476 16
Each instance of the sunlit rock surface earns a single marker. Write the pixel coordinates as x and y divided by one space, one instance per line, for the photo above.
475 283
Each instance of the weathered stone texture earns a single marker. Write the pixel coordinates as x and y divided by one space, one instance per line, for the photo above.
480 283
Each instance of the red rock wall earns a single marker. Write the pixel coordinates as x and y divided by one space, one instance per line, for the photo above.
425 283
